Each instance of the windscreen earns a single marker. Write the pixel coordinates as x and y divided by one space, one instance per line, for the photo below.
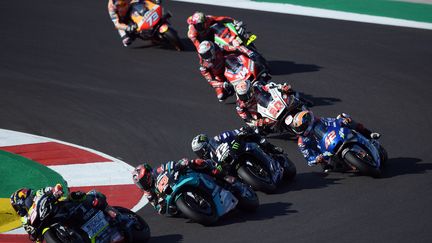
263 97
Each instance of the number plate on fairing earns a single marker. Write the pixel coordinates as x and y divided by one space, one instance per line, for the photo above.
96 224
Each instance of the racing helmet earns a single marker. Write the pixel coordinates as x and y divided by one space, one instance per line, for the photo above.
142 176
243 90
200 146
22 200
207 51
302 122
198 20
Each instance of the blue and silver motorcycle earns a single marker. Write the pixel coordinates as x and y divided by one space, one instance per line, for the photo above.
349 150
201 197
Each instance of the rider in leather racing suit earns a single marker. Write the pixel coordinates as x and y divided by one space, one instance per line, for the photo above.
120 16
212 67
246 104
303 123
23 199
205 148
144 176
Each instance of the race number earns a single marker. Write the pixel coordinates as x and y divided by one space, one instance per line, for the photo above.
154 16
162 182
274 110
329 138
222 151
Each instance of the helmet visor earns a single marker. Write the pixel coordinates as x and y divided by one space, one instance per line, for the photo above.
199 27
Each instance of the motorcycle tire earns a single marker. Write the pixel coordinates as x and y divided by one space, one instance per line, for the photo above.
52 236
191 208
246 173
173 39
290 170
142 231
383 156
249 203
363 166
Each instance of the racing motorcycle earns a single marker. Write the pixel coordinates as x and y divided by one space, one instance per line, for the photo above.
153 25
228 36
201 197
84 221
239 67
278 107
246 160
350 151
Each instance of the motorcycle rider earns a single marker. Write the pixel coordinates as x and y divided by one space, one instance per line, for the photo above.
303 124
23 199
199 26
246 103
212 67
119 11
144 176
205 148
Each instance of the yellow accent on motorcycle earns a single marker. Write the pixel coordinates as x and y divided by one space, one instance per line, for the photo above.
163 28
251 39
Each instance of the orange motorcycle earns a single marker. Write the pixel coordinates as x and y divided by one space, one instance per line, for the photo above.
152 24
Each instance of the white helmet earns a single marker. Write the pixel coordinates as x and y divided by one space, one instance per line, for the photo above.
243 90
207 50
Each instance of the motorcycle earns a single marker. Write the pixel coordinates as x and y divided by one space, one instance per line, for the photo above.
84 221
200 197
278 107
246 160
240 67
350 151
227 35
153 25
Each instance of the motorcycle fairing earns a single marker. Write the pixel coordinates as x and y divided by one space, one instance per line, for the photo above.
271 106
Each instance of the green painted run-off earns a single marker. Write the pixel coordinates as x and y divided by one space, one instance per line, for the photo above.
17 172
393 9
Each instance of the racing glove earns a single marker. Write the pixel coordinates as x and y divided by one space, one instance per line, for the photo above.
131 28
346 119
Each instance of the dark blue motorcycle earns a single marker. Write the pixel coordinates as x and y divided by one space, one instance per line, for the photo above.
349 150
201 197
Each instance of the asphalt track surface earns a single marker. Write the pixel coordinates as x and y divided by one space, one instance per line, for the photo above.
65 75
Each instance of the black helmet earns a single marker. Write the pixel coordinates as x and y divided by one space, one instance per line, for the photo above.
22 200
142 176
201 147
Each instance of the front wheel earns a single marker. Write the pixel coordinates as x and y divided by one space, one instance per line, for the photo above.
290 170
248 200
258 177
141 230
173 39
61 234
198 206
359 162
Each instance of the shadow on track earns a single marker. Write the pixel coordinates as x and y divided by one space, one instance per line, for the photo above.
405 165
264 212
166 238
320 101
305 181
288 67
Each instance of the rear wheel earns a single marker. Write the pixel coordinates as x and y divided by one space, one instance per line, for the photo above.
257 176
362 164
173 39
198 206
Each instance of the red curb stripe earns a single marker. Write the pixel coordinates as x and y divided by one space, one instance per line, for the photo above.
52 153
117 195
14 238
